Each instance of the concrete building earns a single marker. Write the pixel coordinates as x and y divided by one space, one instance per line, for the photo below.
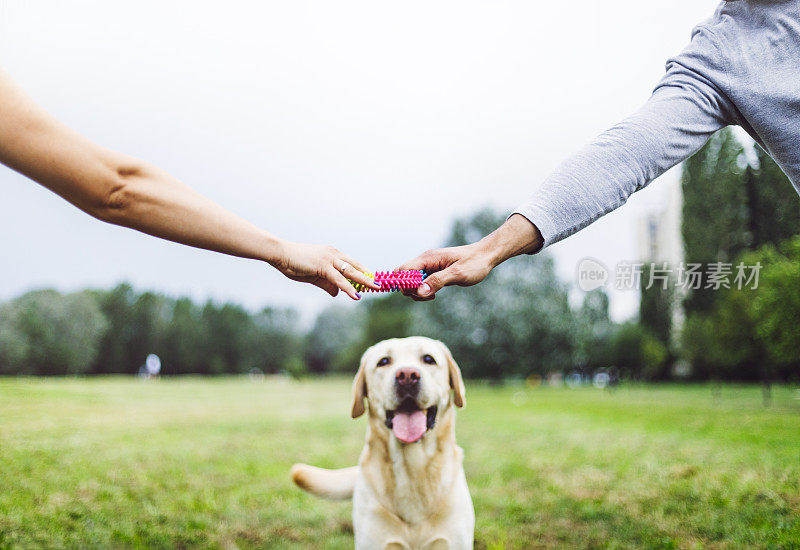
659 240
658 232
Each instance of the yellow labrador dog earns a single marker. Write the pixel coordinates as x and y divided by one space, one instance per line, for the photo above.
409 490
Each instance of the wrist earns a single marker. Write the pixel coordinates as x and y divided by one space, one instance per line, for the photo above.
489 251
515 237
273 250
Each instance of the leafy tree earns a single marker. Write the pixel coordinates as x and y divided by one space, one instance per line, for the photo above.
149 318
276 340
777 307
595 330
115 305
387 317
732 206
227 331
723 343
637 353
335 341
14 346
62 332
715 217
655 306
183 342
751 333
773 207
697 340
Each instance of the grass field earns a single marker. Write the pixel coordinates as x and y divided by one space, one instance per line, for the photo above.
203 463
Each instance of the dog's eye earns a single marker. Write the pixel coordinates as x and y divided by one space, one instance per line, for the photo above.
429 360
384 361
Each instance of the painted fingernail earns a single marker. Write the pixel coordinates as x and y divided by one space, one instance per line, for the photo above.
424 289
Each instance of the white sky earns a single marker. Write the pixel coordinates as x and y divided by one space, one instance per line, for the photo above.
365 125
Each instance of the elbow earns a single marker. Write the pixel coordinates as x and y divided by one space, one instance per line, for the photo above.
118 198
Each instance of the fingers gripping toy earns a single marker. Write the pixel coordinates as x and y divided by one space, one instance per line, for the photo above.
393 281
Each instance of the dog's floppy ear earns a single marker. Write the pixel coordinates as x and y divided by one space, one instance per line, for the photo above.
456 382
360 389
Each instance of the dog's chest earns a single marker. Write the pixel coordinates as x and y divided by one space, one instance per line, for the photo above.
422 485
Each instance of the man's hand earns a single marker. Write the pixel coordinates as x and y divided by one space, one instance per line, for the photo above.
459 265
470 264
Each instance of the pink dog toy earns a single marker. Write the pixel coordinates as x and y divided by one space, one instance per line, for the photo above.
392 281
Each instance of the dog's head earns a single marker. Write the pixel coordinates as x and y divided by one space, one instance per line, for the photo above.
407 382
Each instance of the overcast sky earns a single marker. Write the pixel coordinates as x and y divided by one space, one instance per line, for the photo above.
366 125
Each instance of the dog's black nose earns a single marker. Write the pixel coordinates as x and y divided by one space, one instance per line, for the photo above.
407 378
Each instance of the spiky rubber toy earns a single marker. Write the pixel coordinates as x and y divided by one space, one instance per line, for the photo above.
393 281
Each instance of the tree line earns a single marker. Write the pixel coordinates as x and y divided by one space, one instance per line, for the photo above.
112 331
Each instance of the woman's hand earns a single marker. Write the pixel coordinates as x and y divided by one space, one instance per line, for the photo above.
322 266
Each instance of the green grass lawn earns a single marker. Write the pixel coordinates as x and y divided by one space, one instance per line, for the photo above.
191 462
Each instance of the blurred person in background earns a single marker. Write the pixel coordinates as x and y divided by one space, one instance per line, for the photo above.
125 191
742 67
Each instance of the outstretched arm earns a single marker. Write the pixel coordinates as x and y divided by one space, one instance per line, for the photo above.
122 190
680 116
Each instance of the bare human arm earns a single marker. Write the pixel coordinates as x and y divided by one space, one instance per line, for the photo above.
125 191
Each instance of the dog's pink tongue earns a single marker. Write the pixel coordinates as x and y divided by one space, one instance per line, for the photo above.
408 427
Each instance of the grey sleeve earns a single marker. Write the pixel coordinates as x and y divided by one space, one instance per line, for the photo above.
685 109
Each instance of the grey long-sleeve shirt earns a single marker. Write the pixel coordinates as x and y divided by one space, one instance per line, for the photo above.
742 67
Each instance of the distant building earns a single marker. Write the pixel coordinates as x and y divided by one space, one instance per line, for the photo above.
658 233
659 240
